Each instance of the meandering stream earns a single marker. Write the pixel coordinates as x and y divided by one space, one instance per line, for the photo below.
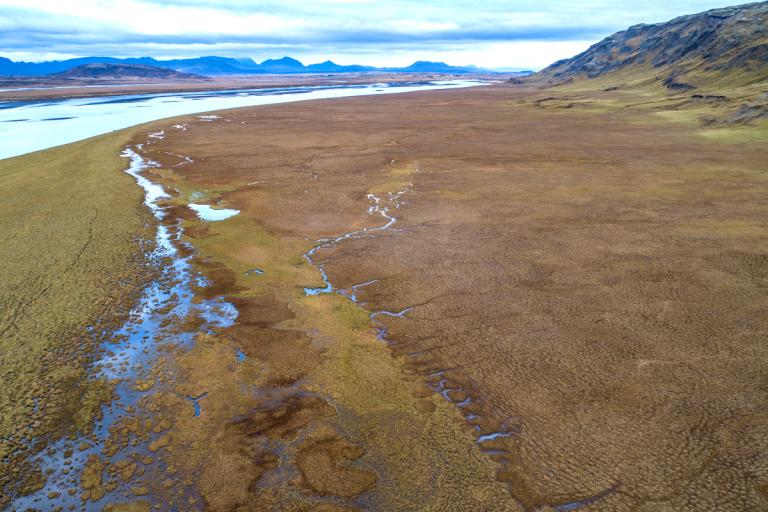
383 206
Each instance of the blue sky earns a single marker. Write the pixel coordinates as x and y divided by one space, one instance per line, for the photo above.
489 33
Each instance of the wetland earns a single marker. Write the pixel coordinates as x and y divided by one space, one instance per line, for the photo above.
505 297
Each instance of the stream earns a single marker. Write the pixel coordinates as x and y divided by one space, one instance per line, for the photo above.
437 381
384 206
125 361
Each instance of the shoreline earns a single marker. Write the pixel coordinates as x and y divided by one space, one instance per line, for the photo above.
30 123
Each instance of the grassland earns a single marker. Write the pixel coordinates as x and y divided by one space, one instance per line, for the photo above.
72 227
588 272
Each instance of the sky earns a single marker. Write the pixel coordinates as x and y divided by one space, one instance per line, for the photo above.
527 34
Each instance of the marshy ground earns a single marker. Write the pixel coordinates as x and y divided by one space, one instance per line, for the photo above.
576 287
74 233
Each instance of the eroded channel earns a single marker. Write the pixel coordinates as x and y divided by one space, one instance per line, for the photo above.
487 434
491 434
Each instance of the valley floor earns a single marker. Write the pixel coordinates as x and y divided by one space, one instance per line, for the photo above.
569 310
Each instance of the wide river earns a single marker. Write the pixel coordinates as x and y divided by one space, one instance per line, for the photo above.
27 126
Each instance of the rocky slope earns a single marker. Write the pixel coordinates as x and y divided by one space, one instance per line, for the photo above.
727 46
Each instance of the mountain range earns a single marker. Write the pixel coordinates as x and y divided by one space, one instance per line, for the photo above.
212 66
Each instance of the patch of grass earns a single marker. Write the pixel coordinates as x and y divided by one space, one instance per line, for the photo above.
738 134
94 395
640 79
458 195
297 260
187 193
399 175
135 506
351 315
688 116
732 229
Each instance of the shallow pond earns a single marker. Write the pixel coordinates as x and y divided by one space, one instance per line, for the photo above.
210 214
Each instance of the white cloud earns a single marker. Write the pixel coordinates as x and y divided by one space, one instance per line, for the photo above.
492 33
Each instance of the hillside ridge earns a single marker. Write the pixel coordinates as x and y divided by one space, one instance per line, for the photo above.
727 45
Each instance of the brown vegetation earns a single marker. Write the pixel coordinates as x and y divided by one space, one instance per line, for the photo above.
589 274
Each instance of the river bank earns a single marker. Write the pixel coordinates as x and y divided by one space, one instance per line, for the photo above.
40 89
37 125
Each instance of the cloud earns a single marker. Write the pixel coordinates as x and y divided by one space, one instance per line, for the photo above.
341 28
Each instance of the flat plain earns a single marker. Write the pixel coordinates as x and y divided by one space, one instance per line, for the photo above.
583 277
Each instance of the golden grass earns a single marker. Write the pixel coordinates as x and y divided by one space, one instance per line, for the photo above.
399 175
738 134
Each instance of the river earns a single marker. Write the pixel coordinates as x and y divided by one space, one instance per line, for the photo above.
27 126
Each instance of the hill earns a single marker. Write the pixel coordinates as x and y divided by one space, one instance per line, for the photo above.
727 46
118 70
709 68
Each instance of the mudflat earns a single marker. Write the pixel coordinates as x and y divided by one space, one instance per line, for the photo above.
575 297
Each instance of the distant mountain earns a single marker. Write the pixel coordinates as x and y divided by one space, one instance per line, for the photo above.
331 67
120 70
208 66
11 68
424 66
213 66
726 46
282 66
